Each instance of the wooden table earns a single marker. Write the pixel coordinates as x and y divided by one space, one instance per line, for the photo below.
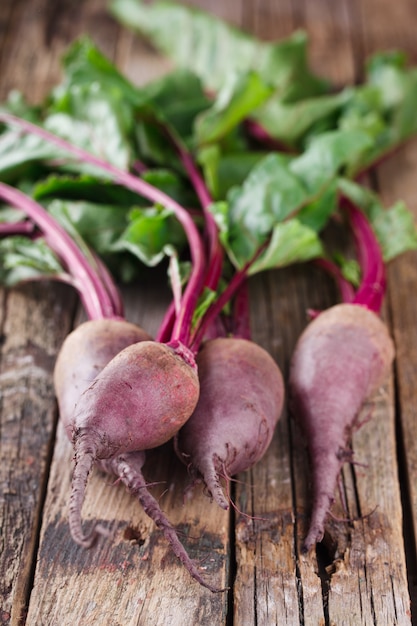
364 573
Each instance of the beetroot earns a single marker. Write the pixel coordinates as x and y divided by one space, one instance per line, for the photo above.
129 393
84 353
138 401
342 357
241 398
339 361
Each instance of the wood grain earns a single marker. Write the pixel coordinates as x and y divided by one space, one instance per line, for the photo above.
31 339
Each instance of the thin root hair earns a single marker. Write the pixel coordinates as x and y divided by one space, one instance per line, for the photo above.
228 480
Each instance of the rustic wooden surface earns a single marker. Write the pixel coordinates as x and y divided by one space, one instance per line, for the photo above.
364 572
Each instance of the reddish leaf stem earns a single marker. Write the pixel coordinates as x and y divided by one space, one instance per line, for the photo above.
373 283
182 326
93 294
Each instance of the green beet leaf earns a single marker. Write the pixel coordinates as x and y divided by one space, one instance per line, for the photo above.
328 154
23 259
99 225
394 227
151 235
214 50
290 242
84 64
224 170
290 122
238 97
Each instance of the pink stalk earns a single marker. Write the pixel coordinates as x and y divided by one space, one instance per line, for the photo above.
167 324
373 284
215 251
215 309
23 227
95 298
182 325
108 282
28 229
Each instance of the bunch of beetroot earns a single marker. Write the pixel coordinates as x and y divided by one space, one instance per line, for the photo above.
201 381
132 393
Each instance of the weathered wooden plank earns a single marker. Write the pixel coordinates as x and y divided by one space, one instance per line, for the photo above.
363 566
267 20
333 39
396 179
131 578
274 584
393 25
265 585
387 25
29 67
31 338
368 573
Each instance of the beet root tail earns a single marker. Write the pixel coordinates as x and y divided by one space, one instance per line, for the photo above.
211 480
131 475
326 473
85 457
322 504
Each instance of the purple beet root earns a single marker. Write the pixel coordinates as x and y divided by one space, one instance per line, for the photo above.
241 399
342 357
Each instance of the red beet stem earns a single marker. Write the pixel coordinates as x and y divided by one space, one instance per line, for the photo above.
93 293
373 284
182 327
